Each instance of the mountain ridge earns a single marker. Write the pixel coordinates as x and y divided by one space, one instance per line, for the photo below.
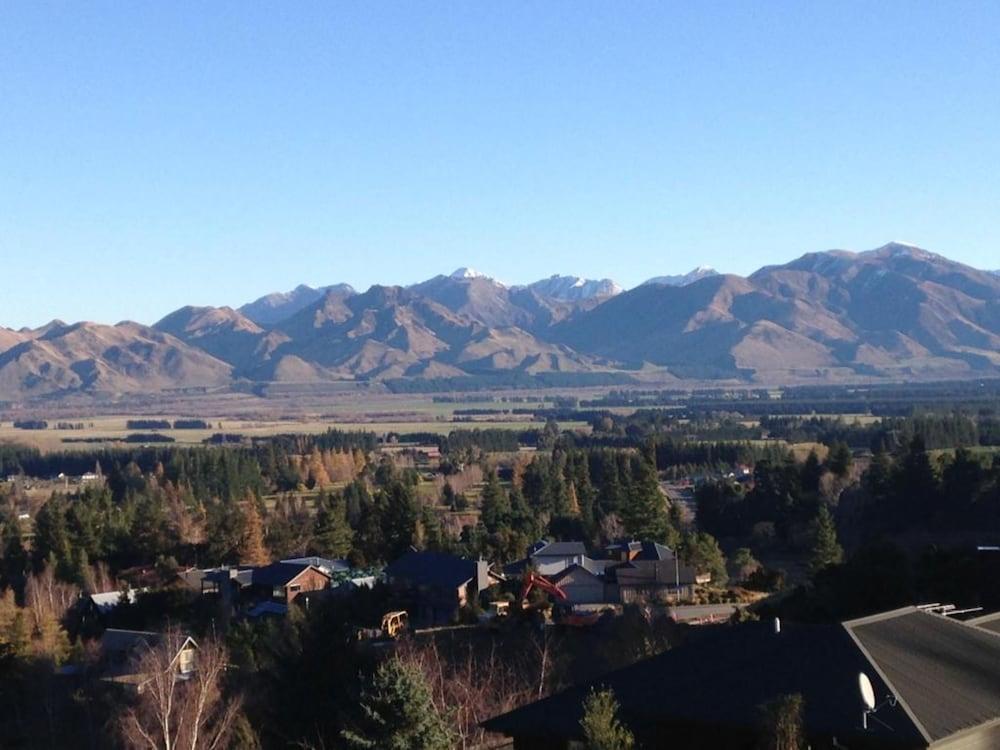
897 311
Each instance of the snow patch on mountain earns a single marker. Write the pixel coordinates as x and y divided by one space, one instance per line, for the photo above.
575 288
701 272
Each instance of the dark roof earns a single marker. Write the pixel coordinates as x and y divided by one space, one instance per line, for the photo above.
945 672
280 573
125 641
644 550
719 682
432 569
560 549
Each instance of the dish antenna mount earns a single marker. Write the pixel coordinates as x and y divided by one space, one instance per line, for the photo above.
867 692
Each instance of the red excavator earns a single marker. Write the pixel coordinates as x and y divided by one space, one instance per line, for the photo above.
564 614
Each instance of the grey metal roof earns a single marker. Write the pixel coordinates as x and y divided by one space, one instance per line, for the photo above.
326 564
561 549
946 673
990 622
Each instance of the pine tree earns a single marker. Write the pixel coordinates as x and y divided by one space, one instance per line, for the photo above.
839 460
397 712
601 728
644 510
826 550
494 504
332 534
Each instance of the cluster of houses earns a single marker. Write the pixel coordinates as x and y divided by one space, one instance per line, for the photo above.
628 571
432 587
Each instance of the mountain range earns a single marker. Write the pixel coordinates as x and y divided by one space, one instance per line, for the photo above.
897 312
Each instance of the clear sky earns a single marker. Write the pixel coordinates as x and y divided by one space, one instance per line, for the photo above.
160 154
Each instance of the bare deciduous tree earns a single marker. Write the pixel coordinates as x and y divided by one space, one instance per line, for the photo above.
174 712
469 686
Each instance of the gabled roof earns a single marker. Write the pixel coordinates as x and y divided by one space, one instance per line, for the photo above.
567 571
945 673
561 549
433 569
281 573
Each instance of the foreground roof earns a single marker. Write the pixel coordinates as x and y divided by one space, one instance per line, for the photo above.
721 680
945 673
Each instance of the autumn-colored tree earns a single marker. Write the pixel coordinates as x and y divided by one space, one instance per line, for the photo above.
251 549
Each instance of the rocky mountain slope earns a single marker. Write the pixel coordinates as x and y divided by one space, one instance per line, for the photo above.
894 312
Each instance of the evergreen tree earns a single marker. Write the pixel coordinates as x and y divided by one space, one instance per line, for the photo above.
601 728
839 460
812 473
826 550
332 534
644 510
397 712
494 505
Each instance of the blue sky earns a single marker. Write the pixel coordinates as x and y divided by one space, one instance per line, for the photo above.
158 154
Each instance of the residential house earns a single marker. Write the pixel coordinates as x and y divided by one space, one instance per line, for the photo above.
649 571
95 608
122 650
936 684
282 582
549 558
585 583
437 585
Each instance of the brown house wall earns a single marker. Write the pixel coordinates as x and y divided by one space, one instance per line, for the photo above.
309 580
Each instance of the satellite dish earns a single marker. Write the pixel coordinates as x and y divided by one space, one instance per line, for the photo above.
867 691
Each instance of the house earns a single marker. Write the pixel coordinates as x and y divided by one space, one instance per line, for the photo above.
121 651
283 581
647 570
584 583
936 684
438 584
95 608
549 558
